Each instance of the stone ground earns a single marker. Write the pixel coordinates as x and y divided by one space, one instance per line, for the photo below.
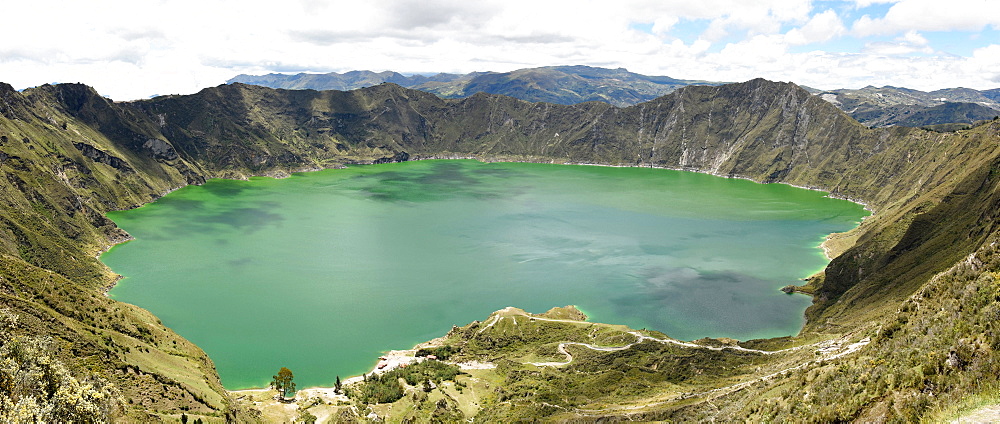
986 414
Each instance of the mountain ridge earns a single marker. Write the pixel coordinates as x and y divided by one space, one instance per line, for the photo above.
554 84
872 106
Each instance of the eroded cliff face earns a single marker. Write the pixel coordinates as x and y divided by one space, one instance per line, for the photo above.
68 155
763 130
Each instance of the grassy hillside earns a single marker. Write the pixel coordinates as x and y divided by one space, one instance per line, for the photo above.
69 155
60 175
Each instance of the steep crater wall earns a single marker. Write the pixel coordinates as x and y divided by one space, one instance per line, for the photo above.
70 155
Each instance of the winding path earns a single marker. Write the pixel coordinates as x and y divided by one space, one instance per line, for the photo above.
826 350
639 339
826 354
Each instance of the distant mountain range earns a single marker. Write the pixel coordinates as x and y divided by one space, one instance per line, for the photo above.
872 106
885 106
564 85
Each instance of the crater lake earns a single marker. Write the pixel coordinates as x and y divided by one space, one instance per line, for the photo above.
322 271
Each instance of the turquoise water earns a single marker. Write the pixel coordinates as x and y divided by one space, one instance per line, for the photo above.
322 271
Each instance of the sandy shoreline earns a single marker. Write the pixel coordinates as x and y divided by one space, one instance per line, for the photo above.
389 361
393 359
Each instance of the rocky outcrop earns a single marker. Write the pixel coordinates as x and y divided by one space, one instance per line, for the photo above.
160 149
398 157
101 156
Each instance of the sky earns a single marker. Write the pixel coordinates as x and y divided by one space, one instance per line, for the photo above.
133 49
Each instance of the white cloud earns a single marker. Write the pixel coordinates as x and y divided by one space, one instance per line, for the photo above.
663 24
913 38
861 4
821 27
909 43
893 49
986 61
759 50
755 18
931 15
129 49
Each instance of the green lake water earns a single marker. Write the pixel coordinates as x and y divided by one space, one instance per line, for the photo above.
322 271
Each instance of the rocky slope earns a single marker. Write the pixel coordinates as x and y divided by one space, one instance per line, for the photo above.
68 155
885 106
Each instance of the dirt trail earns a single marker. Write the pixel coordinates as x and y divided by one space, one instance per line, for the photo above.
986 414
832 349
641 338
826 351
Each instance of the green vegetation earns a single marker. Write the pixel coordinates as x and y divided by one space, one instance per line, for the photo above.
377 388
388 387
947 127
56 186
917 281
607 365
284 383
36 386
440 352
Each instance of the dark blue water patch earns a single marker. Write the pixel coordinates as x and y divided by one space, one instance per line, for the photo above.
180 204
226 188
677 301
433 182
246 219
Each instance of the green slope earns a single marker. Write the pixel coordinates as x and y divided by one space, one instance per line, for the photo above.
68 155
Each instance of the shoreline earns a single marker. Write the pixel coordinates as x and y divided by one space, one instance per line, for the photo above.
392 359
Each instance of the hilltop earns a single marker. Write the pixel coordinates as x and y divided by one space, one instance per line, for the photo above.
918 279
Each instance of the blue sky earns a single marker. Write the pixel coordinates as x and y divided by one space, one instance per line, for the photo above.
129 50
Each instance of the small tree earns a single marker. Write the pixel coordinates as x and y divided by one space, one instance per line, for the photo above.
283 383
337 387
